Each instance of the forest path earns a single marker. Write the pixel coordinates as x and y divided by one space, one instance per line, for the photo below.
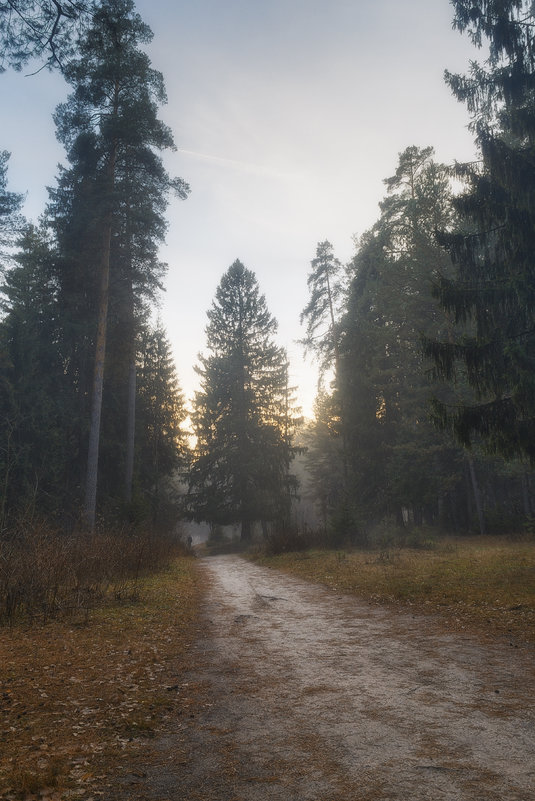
312 696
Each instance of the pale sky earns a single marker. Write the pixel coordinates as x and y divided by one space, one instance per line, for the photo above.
287 115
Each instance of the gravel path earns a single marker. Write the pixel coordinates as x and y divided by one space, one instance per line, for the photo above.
306 695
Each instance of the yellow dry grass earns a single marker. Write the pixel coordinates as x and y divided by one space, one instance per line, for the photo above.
479 583
76 699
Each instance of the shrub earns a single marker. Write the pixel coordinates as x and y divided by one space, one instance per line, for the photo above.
44 573
286 539
344 529
389 534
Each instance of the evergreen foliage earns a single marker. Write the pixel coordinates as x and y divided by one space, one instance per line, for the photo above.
324 457
243 417
493 291
11 222
161 443
377 464
35 404
40 29
390 305
85 285
397 464
322 312
113 199
87 382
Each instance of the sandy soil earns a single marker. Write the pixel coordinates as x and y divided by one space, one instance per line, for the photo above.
301 694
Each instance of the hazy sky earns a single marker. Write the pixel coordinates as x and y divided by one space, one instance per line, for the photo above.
288 115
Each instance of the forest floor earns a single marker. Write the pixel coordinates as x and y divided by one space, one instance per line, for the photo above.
81 697
281 689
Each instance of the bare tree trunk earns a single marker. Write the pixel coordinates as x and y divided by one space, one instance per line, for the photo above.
477 495
90 502
130 427
528 508
245 534
9 461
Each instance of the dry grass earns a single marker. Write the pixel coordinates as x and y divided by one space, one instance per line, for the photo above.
482 584
78 699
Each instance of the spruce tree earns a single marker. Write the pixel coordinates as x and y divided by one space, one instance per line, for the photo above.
35 404
492 295
11 222
161 448
242 418
396 459
324 457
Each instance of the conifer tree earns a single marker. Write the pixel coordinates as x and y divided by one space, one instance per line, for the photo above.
11 222
35 408
324 457
396 459
242 417
492 296
322 312
161 442
114 195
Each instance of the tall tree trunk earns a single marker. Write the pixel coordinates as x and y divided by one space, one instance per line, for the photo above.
477 495
8 464
130 427
131 381
130 334
242 421
245 534
526 498
90 502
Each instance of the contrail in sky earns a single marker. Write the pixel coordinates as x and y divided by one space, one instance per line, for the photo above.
240 165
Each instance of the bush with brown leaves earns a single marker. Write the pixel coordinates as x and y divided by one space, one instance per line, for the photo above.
44 572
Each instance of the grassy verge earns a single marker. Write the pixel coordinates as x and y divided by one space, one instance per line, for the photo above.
481 584
76 699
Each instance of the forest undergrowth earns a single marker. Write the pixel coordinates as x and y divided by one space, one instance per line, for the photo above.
481 584
46 574
80 695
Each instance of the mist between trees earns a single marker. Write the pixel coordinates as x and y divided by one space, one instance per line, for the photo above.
425 416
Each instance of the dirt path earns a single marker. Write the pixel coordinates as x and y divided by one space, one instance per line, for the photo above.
312 696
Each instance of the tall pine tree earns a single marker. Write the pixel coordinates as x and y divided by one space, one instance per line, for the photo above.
113 197
322 312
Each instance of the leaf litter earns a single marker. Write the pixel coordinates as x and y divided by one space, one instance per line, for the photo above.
78 699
